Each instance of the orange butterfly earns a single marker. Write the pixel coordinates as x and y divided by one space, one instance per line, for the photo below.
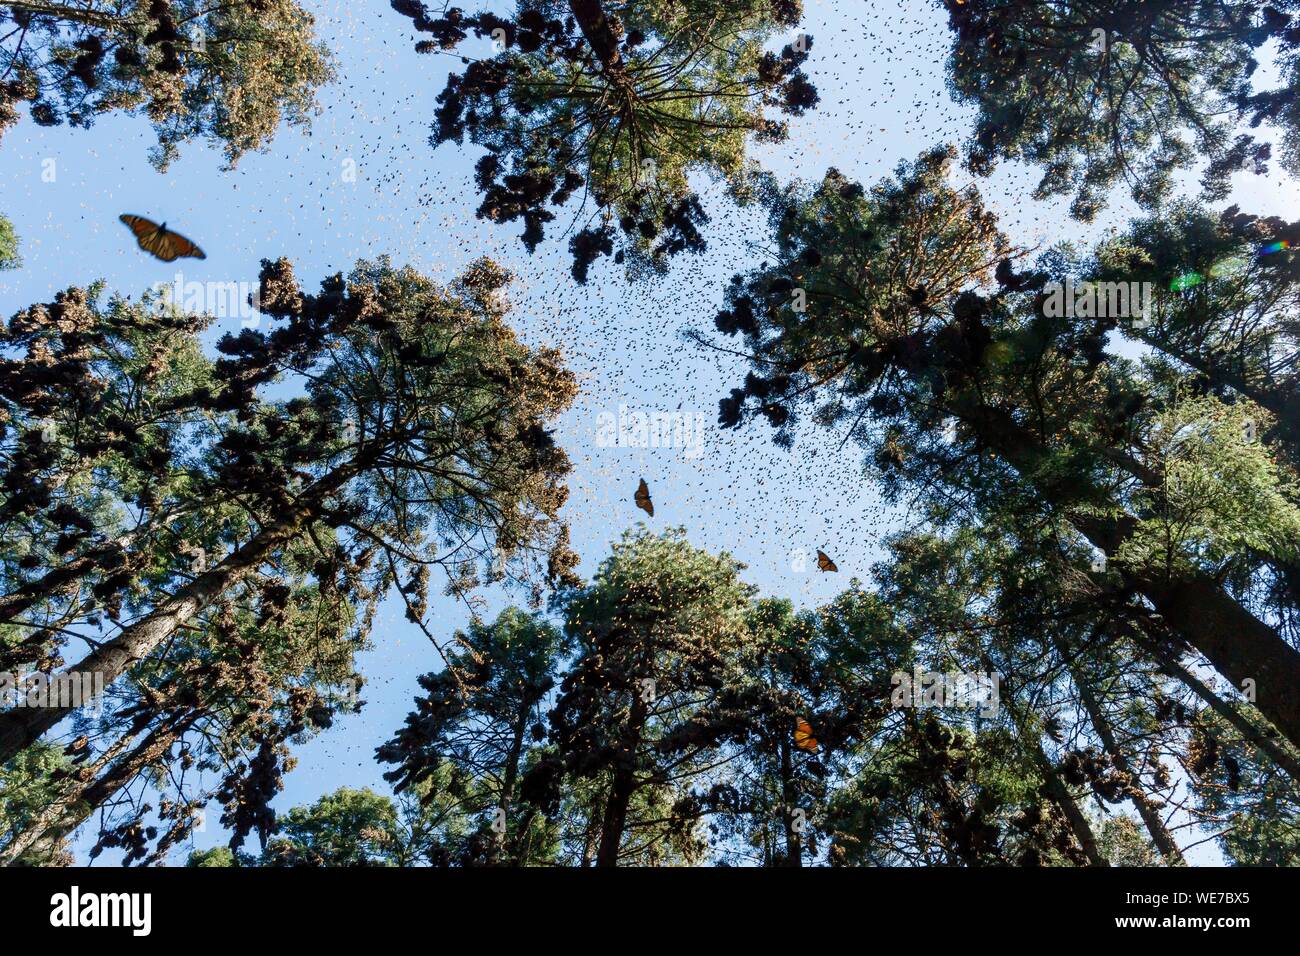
158 241
824 562
642 498
803 736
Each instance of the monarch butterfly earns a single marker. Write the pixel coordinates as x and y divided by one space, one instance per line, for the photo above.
824 562
803 736
158 241
642 498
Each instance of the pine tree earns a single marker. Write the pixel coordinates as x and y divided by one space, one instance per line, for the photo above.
227 74
9 256
828 669
479 726
1225 298
1104 91
616 102
658 636
872 303
213 511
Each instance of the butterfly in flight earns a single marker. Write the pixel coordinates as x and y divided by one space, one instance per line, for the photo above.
824 562
642 498
803 736
159 241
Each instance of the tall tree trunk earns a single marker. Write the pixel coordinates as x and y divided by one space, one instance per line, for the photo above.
1056 788
793 838
590 841
1160 834
20 727
621 788
599 33
1237 643
615 818
510 776
524 836
1074 816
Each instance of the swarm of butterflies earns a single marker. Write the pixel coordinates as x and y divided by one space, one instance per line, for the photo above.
162 243
646 504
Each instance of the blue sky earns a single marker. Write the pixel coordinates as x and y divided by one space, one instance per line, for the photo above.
878 66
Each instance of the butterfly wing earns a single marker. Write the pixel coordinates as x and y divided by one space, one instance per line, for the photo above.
176 246
824 562
642 499
803 736
144 230
156 245
159 242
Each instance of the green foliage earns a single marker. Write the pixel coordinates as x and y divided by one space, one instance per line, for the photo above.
218 856
621 102
1100 92
352 827
137 470
659 637
1252 807
898 315
1124 844
1222 493
344 828
1226 295
228 74
476 731
942 796
9 256
28 784
829 668
850 292
1097 532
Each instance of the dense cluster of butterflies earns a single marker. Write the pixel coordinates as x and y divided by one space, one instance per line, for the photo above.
742 475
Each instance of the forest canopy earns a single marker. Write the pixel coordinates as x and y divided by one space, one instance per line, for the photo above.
1073 642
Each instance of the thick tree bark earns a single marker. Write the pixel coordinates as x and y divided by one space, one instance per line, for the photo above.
1238 644
20 727
599 33
615 818
590 842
